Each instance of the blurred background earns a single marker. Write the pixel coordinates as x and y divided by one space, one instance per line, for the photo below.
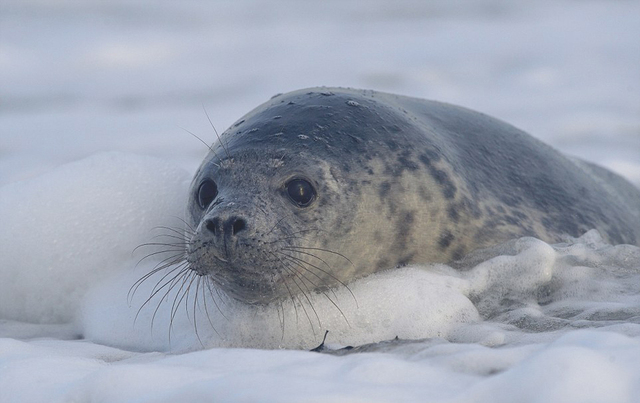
80 77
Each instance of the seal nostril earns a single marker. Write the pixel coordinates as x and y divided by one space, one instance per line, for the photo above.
211 226
238 225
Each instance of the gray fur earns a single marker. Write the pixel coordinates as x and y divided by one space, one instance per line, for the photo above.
399 180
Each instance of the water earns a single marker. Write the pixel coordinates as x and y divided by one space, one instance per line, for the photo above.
93 157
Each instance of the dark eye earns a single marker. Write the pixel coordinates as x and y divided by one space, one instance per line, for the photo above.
300 192
207 191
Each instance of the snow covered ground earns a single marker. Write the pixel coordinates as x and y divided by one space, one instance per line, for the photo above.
94 100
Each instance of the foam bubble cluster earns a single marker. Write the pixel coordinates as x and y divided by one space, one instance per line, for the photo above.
70 229
521 288
81 223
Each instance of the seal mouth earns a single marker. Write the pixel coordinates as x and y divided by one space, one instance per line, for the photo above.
246 286
218 258
236 279
204 252
251 292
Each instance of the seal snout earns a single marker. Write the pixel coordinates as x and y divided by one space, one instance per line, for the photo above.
218 244
231 226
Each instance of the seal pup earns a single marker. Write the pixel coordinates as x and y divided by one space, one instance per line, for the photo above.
318 187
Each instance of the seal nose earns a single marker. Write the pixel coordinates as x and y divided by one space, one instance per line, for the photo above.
237 225
232 226
213 225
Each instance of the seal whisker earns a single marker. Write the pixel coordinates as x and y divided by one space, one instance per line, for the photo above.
156 291
281 320
182 294
186 294
221 296
177 257
322 260
275 225
160 266
302 277
310 305
324 250
180 239
286 265
194 277
325 272
171 285
195 305
206 309
291 296
180 231
297 274
163 264
290 236
187 228
170 244
206 145
287 232
216 132
317 287
289 249
181 266
300 264
213 298
217 291
178 252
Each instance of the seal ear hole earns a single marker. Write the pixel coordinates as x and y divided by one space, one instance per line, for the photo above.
301 192
207 192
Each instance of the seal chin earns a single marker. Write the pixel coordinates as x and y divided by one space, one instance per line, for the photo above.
251 291
238 282
203 260
249 288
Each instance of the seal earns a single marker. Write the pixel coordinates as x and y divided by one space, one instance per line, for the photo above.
318 187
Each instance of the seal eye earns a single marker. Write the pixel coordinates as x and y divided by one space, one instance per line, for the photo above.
300 192
207 191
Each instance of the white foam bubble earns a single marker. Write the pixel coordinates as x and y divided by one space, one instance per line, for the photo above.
409 303
520 288
71 228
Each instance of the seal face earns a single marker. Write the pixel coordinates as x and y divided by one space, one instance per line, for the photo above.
318 187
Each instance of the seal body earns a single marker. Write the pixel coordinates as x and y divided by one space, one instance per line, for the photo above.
318 187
